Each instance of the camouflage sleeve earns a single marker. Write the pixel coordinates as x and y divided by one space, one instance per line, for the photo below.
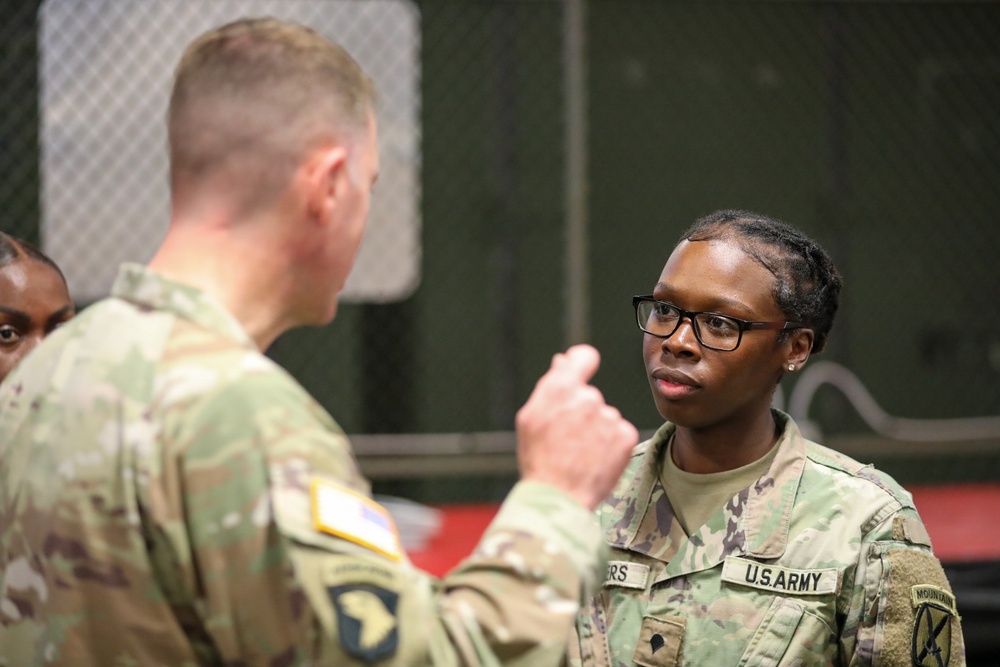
902 612
288 559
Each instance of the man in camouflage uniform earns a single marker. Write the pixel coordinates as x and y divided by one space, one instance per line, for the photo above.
169 496
822 561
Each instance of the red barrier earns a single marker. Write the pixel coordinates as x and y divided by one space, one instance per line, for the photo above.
461 528
963 521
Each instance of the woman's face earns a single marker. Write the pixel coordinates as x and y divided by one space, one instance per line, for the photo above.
697 387
33 302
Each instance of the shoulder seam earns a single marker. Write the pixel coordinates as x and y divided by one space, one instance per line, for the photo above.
865 472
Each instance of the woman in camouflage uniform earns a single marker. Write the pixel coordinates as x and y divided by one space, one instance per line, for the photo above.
34 300
735 540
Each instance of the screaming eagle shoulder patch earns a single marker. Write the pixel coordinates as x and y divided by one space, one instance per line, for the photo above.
934 613
366 620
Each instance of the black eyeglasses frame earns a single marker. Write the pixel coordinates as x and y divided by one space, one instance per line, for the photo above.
742 325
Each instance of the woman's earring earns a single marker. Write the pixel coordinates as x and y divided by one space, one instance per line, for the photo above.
791 368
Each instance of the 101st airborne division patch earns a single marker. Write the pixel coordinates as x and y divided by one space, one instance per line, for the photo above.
935 611
366 620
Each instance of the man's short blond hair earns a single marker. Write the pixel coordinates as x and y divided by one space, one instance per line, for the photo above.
255 96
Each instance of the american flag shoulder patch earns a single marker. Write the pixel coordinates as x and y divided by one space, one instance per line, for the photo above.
345 513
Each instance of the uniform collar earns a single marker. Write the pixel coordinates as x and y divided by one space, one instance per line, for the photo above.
139 285
755 522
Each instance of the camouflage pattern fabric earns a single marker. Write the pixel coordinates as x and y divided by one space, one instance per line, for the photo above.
822 561
169 496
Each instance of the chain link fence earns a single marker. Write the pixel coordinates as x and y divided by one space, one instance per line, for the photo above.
872 126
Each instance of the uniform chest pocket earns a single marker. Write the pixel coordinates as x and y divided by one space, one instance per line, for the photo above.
770 643
799 612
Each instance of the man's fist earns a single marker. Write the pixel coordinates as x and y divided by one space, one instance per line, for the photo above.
568 437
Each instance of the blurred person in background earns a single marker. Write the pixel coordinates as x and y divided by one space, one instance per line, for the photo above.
170 496
34 300
735 540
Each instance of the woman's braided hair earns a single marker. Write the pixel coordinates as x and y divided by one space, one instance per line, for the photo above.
807 284
13 249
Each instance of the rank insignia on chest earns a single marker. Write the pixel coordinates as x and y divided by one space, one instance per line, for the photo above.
366 620
932 625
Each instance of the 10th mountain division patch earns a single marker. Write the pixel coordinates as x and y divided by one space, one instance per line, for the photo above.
932 625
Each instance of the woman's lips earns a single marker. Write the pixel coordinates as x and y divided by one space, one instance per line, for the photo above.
674 385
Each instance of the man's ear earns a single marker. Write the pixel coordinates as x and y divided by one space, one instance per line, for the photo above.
325 181
799 347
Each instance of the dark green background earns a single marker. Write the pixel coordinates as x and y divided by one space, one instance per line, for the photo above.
872 126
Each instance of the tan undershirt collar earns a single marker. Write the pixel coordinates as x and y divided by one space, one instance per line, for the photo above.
696 497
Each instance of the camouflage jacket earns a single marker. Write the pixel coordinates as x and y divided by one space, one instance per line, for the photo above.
823 561
170 496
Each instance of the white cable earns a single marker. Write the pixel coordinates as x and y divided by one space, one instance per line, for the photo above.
895 428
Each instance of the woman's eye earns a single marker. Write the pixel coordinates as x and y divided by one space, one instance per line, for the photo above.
9 334
665 311
721 324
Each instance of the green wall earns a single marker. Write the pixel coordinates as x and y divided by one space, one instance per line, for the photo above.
872 126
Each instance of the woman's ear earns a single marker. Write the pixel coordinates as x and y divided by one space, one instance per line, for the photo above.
799 346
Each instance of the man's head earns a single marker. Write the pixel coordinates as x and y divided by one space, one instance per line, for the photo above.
253 97
271 124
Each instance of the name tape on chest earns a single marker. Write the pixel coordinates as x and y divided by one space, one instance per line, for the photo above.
627 575
779 579
340 511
